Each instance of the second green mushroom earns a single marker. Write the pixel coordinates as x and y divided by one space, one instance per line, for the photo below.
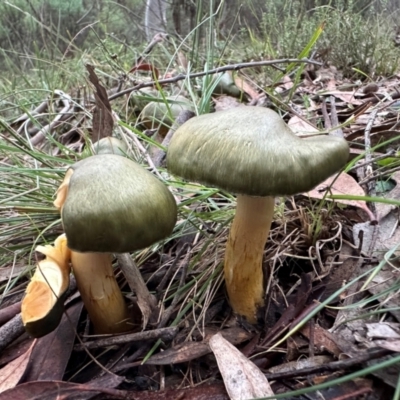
251 151
110 204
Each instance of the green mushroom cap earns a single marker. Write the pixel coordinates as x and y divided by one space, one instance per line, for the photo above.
114 205
251 151
110 145
158 113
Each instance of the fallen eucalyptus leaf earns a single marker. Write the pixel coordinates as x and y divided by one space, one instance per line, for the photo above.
242 378
344 184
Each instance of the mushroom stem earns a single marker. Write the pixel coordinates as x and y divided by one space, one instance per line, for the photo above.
100 292
244 254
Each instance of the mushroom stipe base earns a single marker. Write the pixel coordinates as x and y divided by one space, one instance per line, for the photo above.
100 292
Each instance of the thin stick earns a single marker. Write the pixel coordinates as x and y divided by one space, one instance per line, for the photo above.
231 67
65 99
146 301
368 156
10 331
163 334
371 354
334 120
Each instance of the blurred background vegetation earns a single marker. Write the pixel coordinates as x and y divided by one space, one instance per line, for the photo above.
36 35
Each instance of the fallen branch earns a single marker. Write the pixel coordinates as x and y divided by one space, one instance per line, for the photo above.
231 67
371 354
65 100
163 334
10 331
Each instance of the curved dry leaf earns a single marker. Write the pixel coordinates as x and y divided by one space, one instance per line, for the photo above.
12 373
244 85
225 102
7 273
188 351
347 97
52 352
301 126
242 378
393 345
383 330
103 121
50 390
342 185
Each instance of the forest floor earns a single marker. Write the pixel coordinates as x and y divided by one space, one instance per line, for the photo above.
330 328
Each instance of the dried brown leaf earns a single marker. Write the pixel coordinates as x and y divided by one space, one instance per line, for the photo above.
191 350
393 345
12 373
323 340
383 330
347 97
342 185
181 353
52 352
46 390
103 121
15 349
7 273
299 125
225 103
246 87
242 378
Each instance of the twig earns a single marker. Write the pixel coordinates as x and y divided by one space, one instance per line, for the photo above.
371 354
65 99
146 301
38 110
9 312
355 394
368 172
368 156
379 175
334 119
163 334
157 38
389 153
231 67
10 331
327 120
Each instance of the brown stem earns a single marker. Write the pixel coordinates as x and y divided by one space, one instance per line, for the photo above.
100 292
244 253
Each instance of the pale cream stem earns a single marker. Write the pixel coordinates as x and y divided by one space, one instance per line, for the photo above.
100 292
244 254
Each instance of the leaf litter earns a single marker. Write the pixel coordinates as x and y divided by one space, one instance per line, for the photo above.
317 246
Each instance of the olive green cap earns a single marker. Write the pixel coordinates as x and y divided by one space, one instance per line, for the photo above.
114 205
110 145
251 151
158 113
